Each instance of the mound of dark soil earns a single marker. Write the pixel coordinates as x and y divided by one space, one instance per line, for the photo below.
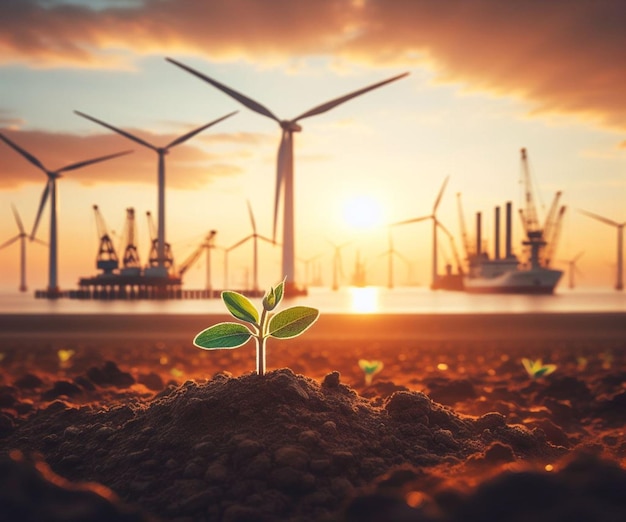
277 447
447 432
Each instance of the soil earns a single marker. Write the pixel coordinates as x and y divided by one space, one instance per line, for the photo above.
450 430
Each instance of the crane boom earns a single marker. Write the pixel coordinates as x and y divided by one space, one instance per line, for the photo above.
530 212
550 218
553 240
464 238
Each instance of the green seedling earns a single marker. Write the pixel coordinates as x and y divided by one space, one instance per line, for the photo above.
65 357
536 369
370 368
285 324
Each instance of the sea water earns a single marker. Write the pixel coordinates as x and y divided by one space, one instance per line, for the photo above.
348 300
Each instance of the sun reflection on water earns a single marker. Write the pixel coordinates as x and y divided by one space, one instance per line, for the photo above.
364 300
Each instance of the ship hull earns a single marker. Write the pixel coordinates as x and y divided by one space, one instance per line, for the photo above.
534 281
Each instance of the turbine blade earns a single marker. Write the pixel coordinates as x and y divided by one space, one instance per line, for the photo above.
443 228
251 217
185 137
238 243
338 101
578 256
119 131
36 240
21 151
599 218
20 225
42 204
283 151
9 242
407 221
400 256
81 164
244 100
443 187
268 240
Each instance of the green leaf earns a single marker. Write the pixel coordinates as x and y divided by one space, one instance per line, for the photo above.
370 367
240 307
292 321
545 370
223 335
273 298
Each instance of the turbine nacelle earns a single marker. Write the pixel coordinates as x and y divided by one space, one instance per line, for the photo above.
290 126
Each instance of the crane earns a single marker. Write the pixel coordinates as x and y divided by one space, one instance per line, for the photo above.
206 244
106 260
535 238
130 261
153 257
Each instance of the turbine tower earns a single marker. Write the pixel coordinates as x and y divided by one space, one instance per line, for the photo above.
162 269
22 237
619 281
50 191
284 170
436 224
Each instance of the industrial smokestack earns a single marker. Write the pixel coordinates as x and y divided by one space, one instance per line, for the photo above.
496 253
479 239
509 252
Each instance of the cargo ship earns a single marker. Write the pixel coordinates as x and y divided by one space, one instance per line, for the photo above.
509 274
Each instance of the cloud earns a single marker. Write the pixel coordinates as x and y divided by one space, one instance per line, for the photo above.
188 166
563 56
7 119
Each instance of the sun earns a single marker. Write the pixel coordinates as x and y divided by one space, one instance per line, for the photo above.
362 212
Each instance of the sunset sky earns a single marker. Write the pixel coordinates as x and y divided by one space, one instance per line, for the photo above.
486 78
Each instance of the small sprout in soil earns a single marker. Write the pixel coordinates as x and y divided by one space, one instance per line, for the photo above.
176 373
370 368
64 357
288 323
536 369
607 360
581 363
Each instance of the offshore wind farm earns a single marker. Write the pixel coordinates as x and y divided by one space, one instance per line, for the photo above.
352 154
161 277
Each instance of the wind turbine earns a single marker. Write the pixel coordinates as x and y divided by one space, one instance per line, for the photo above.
255 237
284 170
436 224
390 252
22 237
619 283
572 268
307 263
161 152
50 191
337 266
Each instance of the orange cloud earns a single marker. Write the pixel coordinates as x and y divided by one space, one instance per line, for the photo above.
562 56
188 166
